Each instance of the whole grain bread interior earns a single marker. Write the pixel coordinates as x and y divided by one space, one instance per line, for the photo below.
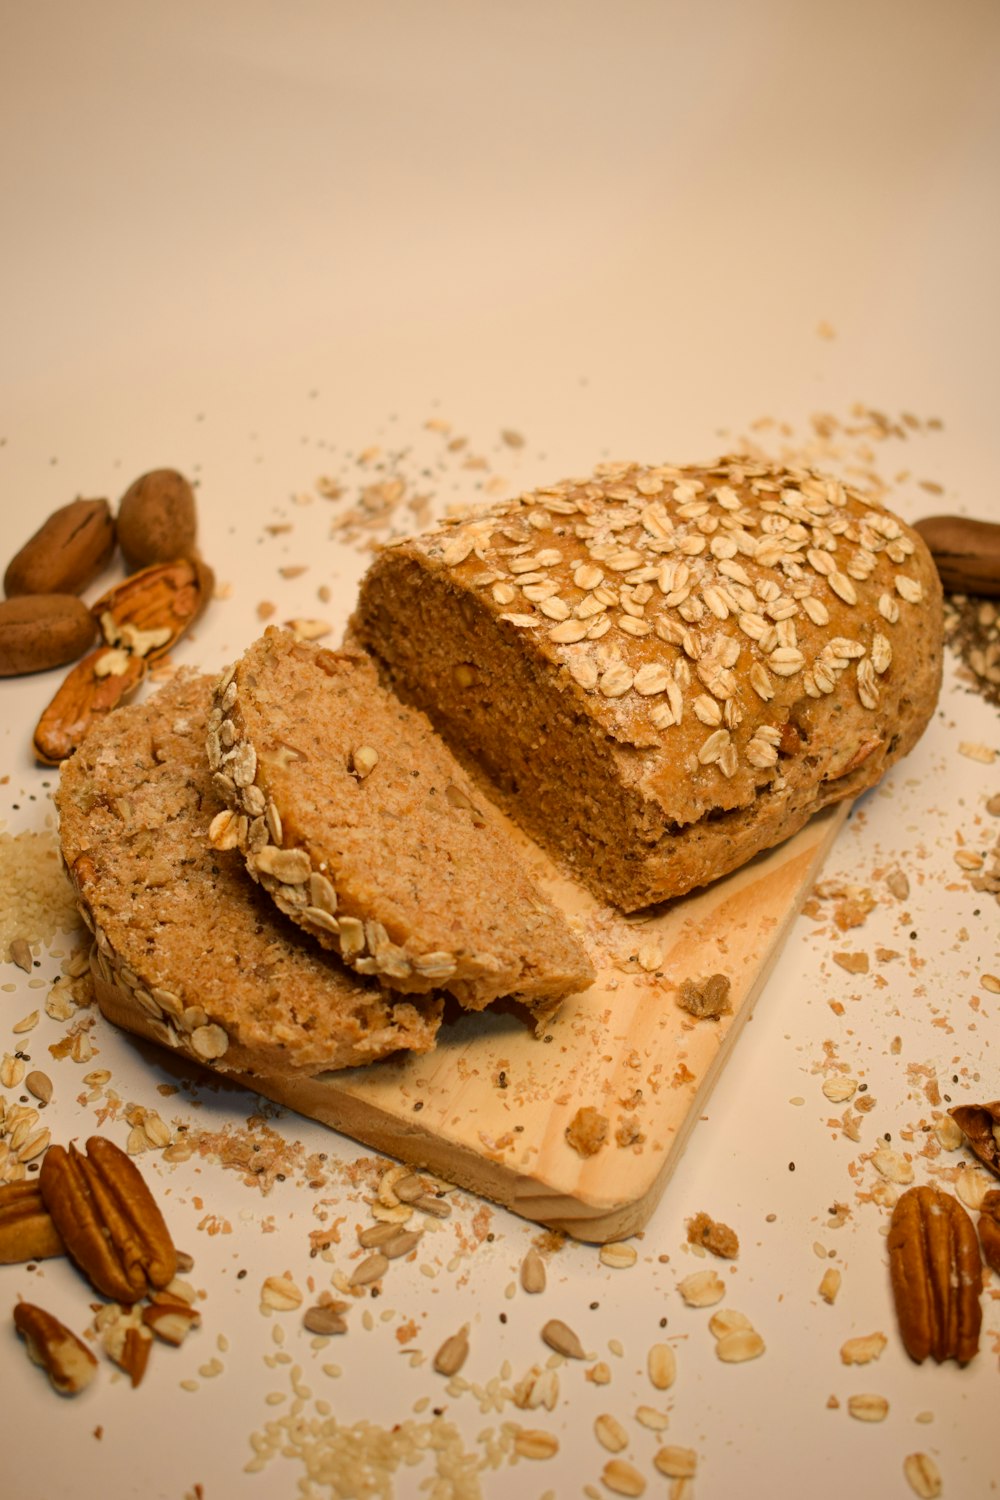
189 952
664 670
357 819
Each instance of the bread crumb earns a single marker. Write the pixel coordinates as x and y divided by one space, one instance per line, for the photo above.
854 963
706 999
587 1131
718 1238
629 1132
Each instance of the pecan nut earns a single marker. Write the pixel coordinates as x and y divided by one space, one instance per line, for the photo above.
937 1276
108 1219
980 1124
140 619
65 553
149 612
95 686
66 1360
26 1228
171 1319
989 1230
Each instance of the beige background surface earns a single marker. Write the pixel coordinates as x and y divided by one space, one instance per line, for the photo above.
255 241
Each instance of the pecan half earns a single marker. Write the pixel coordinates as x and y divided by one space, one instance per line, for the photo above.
26 1228
980 1124
67 1361
108 1219
140 619
989 1230
937 1275
151 610
95 686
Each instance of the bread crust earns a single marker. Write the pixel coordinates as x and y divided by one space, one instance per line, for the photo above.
665 670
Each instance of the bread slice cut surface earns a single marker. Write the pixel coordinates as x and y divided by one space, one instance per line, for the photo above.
189 952
365 830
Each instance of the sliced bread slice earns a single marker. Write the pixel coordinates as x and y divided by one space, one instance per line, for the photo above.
360 823
189 952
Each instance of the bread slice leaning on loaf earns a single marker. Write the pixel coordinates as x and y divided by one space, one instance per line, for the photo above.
357 819
189 952
665 670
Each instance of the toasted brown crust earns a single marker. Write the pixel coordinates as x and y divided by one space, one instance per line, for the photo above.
189 951
666 670
357 819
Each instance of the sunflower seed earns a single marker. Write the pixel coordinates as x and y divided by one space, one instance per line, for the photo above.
369 1270
325 1318
40 1085
563 1340
532 1274
20 954
453 1352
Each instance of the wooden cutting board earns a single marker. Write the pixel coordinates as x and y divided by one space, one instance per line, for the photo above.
489 1108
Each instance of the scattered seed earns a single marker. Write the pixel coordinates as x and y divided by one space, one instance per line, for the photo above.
34 1145
563 1340
702 1289
453 1352
830 1285
530 1442
401 1243
325 1319
892 1165
618 1256
740 1345
676 1462
374 1236
839 1090
533 1272
436 1208
862 1349
610 1433
622 1479
369 1270
868 1408
661 1365
11 1070
922 1475
20 954
26 1023
650 1418
280 1293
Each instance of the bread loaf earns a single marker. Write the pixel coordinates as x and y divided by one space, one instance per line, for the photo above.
665 670
190 953
360 823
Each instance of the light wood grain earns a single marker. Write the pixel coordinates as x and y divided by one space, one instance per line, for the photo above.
489 1108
